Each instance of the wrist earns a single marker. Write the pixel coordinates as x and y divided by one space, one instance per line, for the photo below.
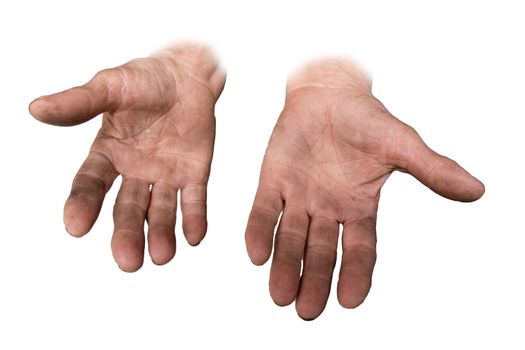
194 61
331 73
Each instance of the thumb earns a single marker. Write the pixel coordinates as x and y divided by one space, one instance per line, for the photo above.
76 105
439 173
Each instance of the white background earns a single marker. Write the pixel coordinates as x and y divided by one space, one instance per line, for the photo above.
448 275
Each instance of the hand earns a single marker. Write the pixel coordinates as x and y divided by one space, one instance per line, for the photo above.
330 153
157 132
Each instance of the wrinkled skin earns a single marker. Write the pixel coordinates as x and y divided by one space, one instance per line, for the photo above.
157 132
331 151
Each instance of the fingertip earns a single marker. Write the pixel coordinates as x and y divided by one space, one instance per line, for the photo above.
481 189
312 297
307 319
258 261
478 190
161 260
459 185
128 266
161 253
194 241
258 245
38 109
307 312
258 256
47 110
281 299
74 230
127 254
351 294
79 217
349 301
194 228
467 187
284 284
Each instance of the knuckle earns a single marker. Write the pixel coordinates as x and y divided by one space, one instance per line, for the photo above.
292 237
360 259
289 246
262 218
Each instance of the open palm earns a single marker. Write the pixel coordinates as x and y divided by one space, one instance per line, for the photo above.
158 131
331 151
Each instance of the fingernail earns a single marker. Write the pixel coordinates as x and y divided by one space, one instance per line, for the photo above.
39 98
36 99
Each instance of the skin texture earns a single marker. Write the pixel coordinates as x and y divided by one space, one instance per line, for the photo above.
331 151
158 130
